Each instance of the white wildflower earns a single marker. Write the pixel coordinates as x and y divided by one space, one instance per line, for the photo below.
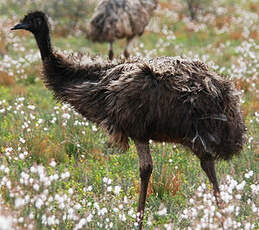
169 226
103 211
115 209
117 189
19 202
109 188
125 200
36 187
39 203
122 217
66 116
162 210
78 206
31 107
238 196
51 220
109 181
53 164
40 121
249 174
31 216
247 226
89 218
33 169
254 188
22 140
241 185
20 220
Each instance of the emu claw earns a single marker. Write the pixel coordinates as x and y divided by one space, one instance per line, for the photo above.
220 203
139 219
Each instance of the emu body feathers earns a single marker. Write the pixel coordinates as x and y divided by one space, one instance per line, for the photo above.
116 19
163 99
166 99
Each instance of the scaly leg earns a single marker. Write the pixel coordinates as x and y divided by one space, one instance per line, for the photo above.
208 165
126 52
110 51
146 167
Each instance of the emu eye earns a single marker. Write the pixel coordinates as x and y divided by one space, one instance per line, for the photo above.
38 21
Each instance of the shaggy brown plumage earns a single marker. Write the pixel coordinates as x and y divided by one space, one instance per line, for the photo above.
116 19
162 99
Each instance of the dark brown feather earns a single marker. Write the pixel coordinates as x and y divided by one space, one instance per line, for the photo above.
115 19
163 99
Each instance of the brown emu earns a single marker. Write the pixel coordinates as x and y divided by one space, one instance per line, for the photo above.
117 19
163 99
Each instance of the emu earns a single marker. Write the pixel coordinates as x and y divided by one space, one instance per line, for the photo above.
165 99
117 19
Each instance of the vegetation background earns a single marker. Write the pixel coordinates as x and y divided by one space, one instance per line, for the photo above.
57 170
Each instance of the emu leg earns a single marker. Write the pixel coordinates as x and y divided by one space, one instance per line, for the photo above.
126 52
208 165
110 51
146 167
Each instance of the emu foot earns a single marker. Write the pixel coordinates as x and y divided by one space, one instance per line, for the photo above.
139 219
126 54
221 205
219 201
110 55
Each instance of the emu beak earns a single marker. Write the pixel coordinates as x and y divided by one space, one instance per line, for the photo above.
20 26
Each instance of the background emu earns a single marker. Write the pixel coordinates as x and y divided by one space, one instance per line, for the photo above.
116 19
163 99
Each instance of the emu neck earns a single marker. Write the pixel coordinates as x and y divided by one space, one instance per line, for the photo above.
44 44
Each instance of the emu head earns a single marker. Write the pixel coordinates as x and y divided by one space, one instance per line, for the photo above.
35 22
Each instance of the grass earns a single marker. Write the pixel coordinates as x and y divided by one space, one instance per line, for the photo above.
58 171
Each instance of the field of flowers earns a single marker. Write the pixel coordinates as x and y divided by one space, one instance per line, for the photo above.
57 170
